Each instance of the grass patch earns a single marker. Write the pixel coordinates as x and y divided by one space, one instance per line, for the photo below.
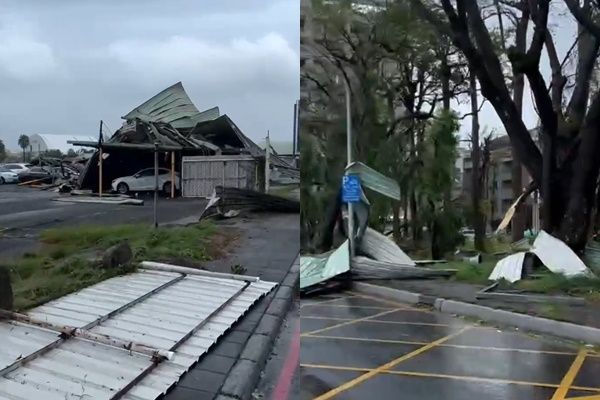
477 274
66 261
549 283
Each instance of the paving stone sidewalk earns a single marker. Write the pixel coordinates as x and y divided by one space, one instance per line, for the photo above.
267 246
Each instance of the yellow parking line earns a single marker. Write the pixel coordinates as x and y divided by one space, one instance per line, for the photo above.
456 346
569 377
395 303
454 377
348 322
349 306
375 320
350 384
593 397
317 303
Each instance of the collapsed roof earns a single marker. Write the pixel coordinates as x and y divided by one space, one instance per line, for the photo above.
172 106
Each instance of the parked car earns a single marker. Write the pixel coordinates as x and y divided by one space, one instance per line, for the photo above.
17 168
7 176
40 174
143 181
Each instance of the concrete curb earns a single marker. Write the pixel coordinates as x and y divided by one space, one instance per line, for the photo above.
388 293
562 329
245 373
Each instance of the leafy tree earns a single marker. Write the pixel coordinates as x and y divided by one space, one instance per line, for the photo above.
567 168
24 144
71 153
2 151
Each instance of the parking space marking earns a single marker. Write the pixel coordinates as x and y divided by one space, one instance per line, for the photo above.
456 346
318 303
349 322
376 320
350 384
459 378
570 376
593 397
394 303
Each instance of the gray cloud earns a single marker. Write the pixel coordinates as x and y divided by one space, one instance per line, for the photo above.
62 71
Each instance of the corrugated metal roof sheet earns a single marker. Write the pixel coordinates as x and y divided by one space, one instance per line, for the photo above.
174 106
184 313
375 180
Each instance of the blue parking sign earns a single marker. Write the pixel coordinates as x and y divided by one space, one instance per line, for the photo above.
351 189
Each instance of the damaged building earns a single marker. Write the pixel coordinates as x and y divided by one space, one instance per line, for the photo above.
182 135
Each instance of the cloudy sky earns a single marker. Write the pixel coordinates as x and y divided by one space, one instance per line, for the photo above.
64 65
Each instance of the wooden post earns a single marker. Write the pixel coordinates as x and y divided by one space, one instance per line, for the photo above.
172 174
267 160
100 171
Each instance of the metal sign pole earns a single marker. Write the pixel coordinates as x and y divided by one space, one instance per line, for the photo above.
349 156
155 183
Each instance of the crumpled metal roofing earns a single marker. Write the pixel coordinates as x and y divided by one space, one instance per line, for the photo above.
317 269
167 310
173 106
375 180
552 252
381 248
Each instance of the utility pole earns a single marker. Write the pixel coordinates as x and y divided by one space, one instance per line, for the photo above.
295 139
267 162
155 184
100 159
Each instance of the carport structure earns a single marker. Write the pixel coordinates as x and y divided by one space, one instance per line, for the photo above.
355 347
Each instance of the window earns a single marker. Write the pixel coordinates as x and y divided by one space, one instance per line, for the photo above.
146 172
13 166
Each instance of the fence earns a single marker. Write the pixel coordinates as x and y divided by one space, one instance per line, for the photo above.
200 175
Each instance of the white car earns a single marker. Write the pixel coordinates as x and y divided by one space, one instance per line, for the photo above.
17 167
143 181
7 176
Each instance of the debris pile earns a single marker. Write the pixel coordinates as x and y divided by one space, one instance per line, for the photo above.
376 255
552 253
227 202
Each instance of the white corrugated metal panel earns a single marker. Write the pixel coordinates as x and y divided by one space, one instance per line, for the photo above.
168 311
509 268
168 372
87 305
20 340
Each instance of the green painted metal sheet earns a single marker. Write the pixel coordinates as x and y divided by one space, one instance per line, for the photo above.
375 180
174 106
317 269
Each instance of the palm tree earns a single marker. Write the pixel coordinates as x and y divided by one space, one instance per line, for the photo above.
23 143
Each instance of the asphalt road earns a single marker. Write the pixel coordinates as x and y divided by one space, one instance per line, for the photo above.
24 212
356 347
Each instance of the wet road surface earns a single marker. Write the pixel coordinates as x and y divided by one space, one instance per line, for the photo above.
356 347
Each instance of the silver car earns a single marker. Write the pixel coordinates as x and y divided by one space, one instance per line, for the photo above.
143 181
7 176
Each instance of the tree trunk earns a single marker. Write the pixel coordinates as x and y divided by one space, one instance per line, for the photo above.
478 220
518 222
396 220
575 225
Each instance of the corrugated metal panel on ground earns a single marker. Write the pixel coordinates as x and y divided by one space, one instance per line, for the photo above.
186 314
